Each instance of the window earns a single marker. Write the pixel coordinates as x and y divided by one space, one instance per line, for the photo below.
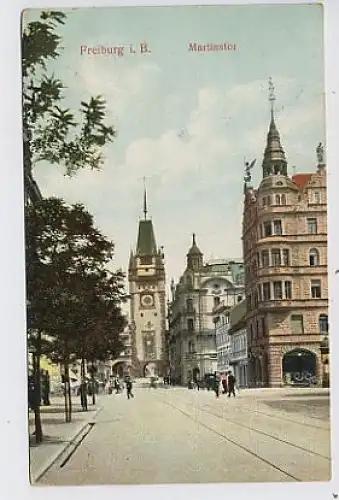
267 229
190 325
277 227
264 203
277 290
276 257
259 293
316 197
316 289
323 323
283 199
216 301
286 257
145 260
288 289
189 305
263 327
314 257
266 291
297 323
312 225
265 258
277 199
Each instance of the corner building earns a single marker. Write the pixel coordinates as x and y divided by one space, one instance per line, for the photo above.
192 328
286 285
146 276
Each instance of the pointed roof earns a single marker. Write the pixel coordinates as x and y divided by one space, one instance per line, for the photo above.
274 156
194 250
146 244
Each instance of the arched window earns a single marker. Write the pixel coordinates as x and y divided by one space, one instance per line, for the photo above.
277 199
323 323
314 257
283 199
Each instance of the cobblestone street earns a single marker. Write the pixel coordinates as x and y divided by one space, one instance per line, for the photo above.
178 435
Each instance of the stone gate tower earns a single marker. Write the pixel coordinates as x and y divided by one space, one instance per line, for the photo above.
146 276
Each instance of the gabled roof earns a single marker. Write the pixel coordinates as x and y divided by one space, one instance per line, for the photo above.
301 179
146 244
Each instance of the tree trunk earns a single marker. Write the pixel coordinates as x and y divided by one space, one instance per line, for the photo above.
68 400
37 391
93 384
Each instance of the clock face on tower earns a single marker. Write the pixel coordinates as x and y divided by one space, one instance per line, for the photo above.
147 300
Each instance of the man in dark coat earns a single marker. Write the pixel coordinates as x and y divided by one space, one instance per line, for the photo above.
231 384
129 387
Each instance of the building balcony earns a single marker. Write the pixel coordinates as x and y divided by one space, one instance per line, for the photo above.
189 356
281 304
289 271
188 311
285 238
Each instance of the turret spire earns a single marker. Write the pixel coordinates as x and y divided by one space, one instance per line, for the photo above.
274 161
145 200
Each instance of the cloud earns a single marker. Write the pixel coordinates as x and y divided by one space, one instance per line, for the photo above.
123 85
196 184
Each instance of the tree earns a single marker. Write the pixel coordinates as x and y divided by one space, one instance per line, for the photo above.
52 133
73 296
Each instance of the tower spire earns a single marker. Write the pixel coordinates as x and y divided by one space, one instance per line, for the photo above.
271 97
145 200
274 161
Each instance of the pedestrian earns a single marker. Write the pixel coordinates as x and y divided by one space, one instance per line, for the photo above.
129 387
231 384
224 385
45 387
198 384
83 394
216 385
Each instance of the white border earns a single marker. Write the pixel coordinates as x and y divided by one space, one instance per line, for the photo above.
13 426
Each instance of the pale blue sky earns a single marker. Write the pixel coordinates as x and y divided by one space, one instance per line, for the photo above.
220 99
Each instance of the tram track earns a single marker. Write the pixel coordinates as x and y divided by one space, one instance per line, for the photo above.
272 463
252 429
286 419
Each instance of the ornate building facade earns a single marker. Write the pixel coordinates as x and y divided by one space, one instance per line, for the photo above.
146 276
285 256
192 334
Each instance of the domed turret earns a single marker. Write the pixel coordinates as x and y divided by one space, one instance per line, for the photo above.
194 256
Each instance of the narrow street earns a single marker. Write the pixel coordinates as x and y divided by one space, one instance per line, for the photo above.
178 435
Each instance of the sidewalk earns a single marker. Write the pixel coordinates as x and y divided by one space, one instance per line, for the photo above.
58 434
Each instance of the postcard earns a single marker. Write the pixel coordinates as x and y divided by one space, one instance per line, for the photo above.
175 183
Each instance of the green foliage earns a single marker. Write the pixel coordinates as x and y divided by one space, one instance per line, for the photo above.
73 296
52 131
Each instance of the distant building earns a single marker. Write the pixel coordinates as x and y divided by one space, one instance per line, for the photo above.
238 343
222 337
146 276
285 257
192 333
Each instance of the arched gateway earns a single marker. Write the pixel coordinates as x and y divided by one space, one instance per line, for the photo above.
299 367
